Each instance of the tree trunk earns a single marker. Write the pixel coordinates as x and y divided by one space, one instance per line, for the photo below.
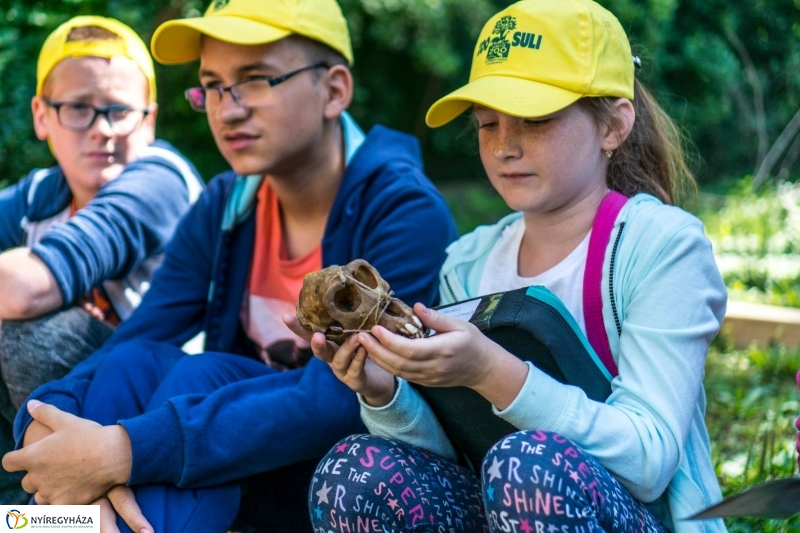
791 158
774 154
758 94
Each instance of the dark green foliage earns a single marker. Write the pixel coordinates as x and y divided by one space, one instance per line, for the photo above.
752 405
411 52
474 204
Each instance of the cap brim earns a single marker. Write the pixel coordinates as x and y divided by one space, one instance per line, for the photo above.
512 96
178 41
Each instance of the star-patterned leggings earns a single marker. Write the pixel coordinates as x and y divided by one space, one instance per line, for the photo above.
533 482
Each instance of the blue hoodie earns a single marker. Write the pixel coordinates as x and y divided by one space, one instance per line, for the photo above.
386 211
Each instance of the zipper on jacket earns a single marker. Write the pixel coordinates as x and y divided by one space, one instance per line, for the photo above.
611 279
449 288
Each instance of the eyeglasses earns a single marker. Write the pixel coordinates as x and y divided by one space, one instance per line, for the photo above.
79 116
254 92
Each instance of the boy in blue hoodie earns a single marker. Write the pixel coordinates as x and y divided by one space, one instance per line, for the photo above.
88 233
244 421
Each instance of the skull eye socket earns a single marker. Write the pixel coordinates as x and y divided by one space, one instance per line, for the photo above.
347 300
366 276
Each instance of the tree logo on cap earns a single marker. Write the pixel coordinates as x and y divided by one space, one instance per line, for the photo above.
219 4
497 48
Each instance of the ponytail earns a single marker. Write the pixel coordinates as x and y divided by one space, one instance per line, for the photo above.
653 157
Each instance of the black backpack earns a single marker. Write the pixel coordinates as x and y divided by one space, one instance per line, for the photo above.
533 324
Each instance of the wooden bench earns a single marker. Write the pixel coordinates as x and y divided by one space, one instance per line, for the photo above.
763 324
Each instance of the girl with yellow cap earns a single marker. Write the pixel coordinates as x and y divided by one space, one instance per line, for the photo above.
575 144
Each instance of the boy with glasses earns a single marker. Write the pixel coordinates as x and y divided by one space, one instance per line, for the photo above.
81 240
246 421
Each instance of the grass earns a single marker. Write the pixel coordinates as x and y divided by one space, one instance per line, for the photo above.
752 406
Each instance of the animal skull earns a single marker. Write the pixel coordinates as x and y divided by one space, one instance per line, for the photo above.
338 301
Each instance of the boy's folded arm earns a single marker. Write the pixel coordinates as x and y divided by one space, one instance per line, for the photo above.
28 286
129 220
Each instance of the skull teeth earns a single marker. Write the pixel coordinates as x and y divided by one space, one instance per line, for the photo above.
416 321
411 329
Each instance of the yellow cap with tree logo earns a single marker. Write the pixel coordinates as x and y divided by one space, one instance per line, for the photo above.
537 57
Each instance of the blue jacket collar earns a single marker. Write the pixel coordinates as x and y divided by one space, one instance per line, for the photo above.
48 195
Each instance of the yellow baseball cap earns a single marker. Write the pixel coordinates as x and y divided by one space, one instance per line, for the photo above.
536 57
57 48
250 22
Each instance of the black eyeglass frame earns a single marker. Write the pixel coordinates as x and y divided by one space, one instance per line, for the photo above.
232 88
97 112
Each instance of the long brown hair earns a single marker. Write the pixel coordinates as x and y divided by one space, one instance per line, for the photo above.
653 157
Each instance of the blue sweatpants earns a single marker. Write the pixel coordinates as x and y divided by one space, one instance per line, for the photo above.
139 376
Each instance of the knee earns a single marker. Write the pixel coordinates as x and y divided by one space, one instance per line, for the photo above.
199 365
531 448
51 344
139 354
49 328
15 341
391 486
195 374
367 454
528 457
533 462
136 364
354 474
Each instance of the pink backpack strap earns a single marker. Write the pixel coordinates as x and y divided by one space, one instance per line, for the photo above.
604 220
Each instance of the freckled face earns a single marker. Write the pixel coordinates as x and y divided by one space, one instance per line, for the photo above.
545 164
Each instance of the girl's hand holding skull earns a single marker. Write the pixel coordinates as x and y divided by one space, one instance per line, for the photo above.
458 355
350 311
350 364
